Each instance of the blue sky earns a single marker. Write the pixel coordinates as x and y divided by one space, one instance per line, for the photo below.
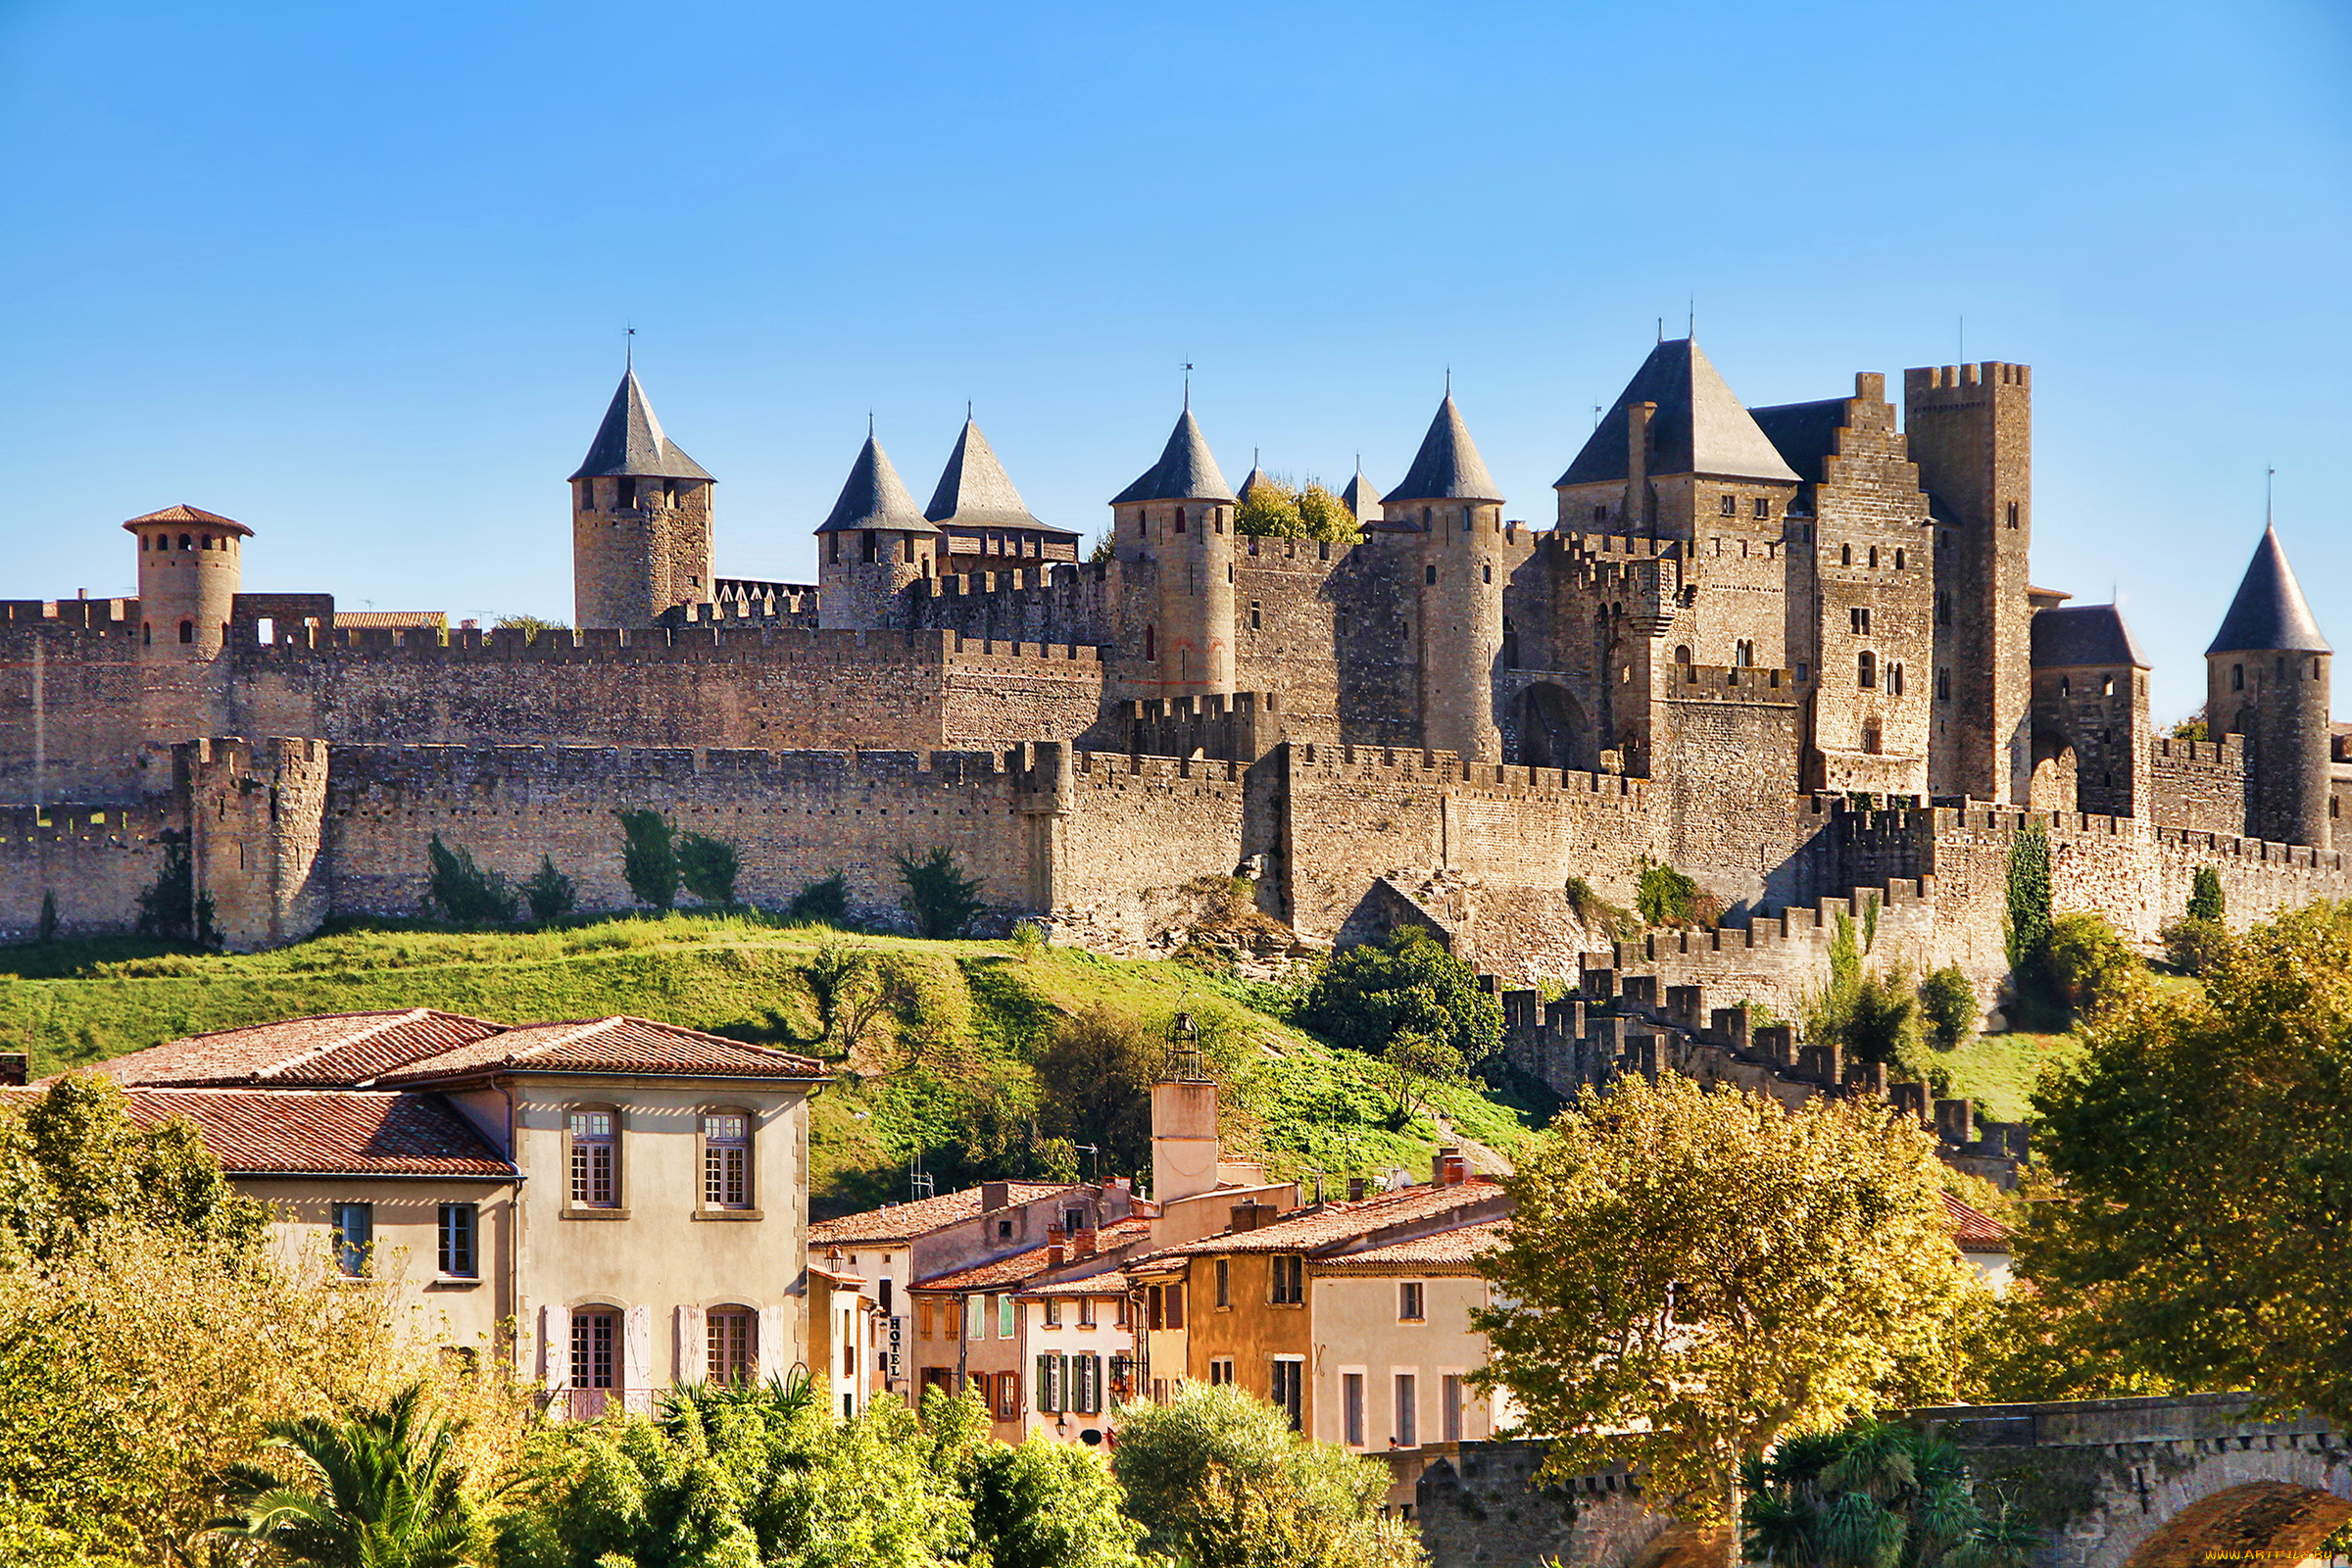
358 276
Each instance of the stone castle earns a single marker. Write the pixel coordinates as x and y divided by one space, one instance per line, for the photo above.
1793 652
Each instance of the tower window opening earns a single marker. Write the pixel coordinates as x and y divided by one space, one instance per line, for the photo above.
1894 680
1150 644
2315 666
1866 670
833 549
1872 738
1256 621
1899 560
2107 686
145 540
1600 514
1874 557
1429 574
1943 684
146 634
2065 687
1681 654
1729 507
2278 671
1845 555
1763 508
1944 606
1180 520
185 543
2012 513
2237 677
1487 573
187 631
906 542
866 543
1859 618
1743 654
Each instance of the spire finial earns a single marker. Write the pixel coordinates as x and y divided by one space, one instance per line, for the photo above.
1188 386
1449 380
869 424
629 350
2268 474
967 411
1661 329
1691 324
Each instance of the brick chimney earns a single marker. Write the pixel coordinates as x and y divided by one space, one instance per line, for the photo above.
1356 1187
1446 1167
1250 1216
1057 1252
15 1067
1085 1242
995 1194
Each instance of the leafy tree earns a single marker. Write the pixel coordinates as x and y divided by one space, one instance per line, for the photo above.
1882 1019
2205 895
2088 966
1324 516
2192 944
1368 996
1692 1275
47 931
549 892
73 1164
2195 728
1269 509
464 892
378 1488
529 625
1872 1496
940 897
1048 1504
1218 1480
1095 1074
1948 1004
708 868
1408 1064
2201 1152
2026 925
170 907
824 902
649 856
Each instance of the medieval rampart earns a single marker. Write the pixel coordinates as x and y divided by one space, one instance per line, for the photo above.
2198 784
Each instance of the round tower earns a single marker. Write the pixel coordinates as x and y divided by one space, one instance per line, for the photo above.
1177 521
191 565
872 546
1455 505
640 520
2266 681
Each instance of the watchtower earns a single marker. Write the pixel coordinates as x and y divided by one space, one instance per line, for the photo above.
871 547
191 565
640 519
1175 523
2266 679
1454 503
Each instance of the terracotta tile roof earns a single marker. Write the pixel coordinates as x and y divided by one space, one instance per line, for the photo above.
1452 1251
834 1276
615 1045
902 1222
1975 1229
1021 1266
1332 1224
343 1047
327 1132
188 514
1110 1282
391 619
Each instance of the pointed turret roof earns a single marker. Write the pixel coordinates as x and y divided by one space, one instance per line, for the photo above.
1187 470
630 441
974 491
1361 498
2270 613
1700 426
874 497
1257 477
1447 468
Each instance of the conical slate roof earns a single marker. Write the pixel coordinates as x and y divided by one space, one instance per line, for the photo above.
1700 426
1257 477
1361 498
974 491
1187 470
874 497
2269 613
1447 468
630 442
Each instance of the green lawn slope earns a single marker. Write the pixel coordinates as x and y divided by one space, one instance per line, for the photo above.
1301 1105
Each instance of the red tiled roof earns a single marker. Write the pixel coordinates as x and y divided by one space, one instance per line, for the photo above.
327 1132
902 1222
1110 1282
343 1047
1975 1229
1022 1267
615 1045
391 619
1452 1251
1333 1223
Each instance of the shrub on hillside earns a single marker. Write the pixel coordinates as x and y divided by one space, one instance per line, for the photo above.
2089 966
1948 1004
463 889
2205 901
1667 897
824 902
1368 996
649 856
549 892
2193 945
708 868
940 897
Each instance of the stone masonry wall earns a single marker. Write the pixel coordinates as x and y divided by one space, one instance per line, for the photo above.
2199 785
93 861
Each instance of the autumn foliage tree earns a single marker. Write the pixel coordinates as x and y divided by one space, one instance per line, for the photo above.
1695 1274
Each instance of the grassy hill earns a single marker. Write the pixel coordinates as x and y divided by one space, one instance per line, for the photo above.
968 1098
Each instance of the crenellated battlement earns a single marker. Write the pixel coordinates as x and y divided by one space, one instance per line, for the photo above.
663 644
1390 764
1694 683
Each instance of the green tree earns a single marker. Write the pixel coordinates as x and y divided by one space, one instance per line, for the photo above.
649 856
1368 996
1872 1496
377 1487
1048 1504
1410 1065
1095 1074
73 1164
823 902
1269 509
1218 1480
2087 966
1949 1003
2200 1151
549 892
940 898
1325 517
2026 925
2194 945
463 891
1692 1275
1882 1019
708 868
529 625
2205 895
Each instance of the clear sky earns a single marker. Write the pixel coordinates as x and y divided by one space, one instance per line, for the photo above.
356 275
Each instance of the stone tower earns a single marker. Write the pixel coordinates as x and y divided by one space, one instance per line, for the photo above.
191 565
1174 525
974 491
1676 456
1970 428
1448 496
640 520
2266 679
872 546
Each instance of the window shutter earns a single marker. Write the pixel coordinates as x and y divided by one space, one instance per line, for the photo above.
1045 1384
1067 1403
554 1347
775 1339
637 1348
691 1352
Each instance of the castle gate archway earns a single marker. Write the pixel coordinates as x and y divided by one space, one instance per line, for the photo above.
1552 731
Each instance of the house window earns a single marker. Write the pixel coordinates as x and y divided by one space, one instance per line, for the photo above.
1224 1267
1409 1411
1763 507
1004 1317
1009 1395
1086 1311
1052 1313
1729 505
595 1161
1286 1389
1004 1230
1086 1384
1408 1301
975 1316
1449 1407
461 1224
1220 1370
355 1236
731 1344
952 1328
1866 669
1352 1409
1049 1383
1176 1306
592 1335
1290 1279
726 1160
1155 1309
